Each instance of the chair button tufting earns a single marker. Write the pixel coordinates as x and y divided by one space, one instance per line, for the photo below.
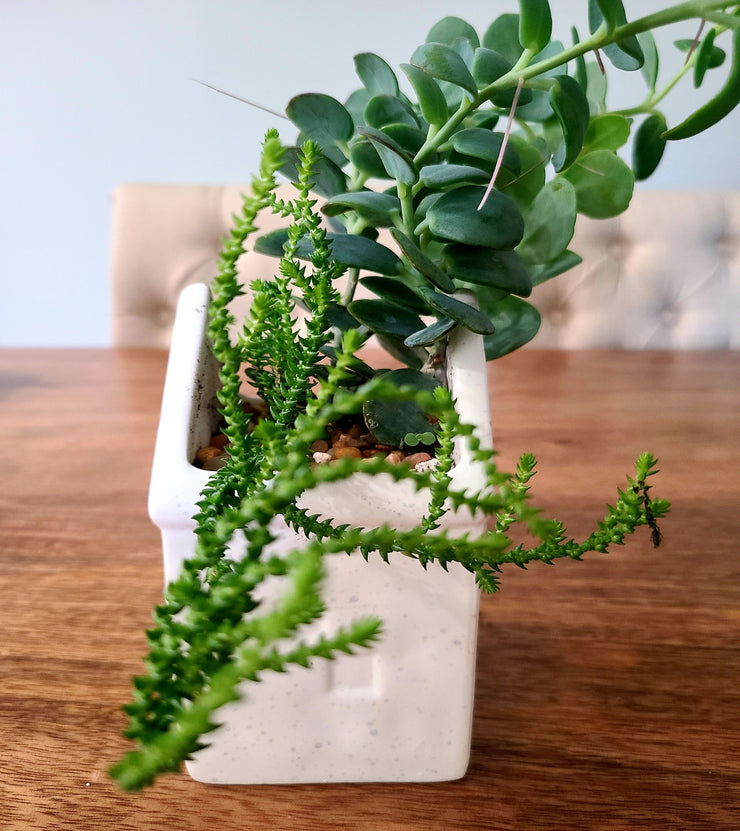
669 317
558 316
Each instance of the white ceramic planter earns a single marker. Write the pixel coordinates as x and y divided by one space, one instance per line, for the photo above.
401 711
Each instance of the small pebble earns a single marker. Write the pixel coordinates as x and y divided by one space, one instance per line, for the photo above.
320 446
356 430
395 457
430 464
320 457
216 462
415 458
219 441
347 453
206 453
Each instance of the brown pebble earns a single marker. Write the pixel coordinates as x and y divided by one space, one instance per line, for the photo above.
386 448
342 440
415 458
395 457
216 462
219 440
347 453
320 446
371 452
356 430
206 453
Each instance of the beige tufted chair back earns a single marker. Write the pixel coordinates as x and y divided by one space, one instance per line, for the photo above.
664 275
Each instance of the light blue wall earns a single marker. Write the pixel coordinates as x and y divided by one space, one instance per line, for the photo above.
99 93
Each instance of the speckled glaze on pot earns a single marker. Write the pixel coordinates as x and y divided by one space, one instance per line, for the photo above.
401 711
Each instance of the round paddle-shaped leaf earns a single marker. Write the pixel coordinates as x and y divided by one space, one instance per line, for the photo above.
460 312
603 184
455 216
321 117
376 74
389 420
386 318
488 267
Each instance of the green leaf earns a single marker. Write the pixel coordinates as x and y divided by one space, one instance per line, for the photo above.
605 10
349 249
449 29
326 177
365 158
708 56
535 24
397 162
386 317
390 421
272 243
356 103
549 222
388 109
461 312
580 61
715 56
487 119
432 333
356 366
408 138
566 261
648 146
488 66
503 37
717 107
483 144
650 67
432 101
516 323
338 316
444 63
487 267
449 175
321 117
377 208
603 184
360 252
421 262
455 217
570 105
376 74
386 288
597 86
626 53
329 151
526 185
606 132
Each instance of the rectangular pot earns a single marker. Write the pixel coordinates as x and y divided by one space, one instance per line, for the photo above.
400 711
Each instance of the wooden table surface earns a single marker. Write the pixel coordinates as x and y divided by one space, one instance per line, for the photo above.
608 691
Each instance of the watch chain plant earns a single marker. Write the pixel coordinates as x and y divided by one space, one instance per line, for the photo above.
452 232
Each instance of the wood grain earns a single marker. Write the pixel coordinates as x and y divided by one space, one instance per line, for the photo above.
608 691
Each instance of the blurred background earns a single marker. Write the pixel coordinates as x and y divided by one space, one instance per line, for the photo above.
96 94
